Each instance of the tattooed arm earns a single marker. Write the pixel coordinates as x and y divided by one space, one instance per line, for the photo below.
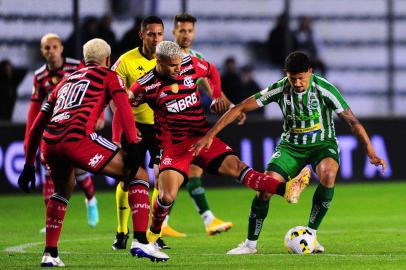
359 131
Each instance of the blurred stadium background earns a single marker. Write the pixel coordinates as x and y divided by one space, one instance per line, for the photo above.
361 42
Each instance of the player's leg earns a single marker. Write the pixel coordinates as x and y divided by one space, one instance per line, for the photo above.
64 181
47 187
326 170
169 183
138 199
85 182
123 212
197 193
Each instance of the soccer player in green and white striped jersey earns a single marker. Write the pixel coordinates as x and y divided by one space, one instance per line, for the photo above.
307 102
184 34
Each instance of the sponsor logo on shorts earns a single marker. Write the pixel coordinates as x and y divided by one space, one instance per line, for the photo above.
167 161
276 154
95 160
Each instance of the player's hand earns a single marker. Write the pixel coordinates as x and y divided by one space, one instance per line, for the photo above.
205 142
99 124
241 119
27 176
138 135
219 106
377 161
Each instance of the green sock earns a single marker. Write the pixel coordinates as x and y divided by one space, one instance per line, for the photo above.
196 191
321 203
259 211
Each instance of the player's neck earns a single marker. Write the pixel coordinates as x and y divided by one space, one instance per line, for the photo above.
149 54
55 65
186 50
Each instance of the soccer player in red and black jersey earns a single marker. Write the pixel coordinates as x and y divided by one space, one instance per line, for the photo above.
45 80
67 123
170 90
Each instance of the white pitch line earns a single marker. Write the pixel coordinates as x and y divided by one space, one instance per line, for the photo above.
21 248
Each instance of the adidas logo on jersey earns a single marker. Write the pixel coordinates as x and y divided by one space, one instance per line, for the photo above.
181 104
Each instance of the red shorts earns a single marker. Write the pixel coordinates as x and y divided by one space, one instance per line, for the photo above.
92 153
178 157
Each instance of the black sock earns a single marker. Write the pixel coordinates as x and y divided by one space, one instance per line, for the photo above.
52 250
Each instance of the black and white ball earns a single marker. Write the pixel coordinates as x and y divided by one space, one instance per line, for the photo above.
300 240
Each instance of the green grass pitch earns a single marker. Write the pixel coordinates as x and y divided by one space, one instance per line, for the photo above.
364 229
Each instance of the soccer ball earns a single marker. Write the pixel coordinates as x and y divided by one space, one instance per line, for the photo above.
300 240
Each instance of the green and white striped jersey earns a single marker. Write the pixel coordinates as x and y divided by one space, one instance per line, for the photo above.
308 116
196 54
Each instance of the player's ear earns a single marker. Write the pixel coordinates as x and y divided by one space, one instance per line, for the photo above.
140 34
61 48
108 61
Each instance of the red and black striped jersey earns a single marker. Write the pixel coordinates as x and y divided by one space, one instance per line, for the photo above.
178 112
77 102
46 80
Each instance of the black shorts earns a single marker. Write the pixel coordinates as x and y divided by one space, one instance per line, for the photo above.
148 143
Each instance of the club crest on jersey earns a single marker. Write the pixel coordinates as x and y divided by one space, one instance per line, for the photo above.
188 81
313 102
175 106
95 160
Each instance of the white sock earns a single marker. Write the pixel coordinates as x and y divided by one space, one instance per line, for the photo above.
313 231
251 243
92 201
207 217
166 220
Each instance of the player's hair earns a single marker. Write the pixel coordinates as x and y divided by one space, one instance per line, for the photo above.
184 17
49 36
168 49
95 50
151 20
297 62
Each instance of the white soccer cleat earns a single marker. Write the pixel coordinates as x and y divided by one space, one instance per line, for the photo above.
149 251
242 249
49 261
319 248
43 230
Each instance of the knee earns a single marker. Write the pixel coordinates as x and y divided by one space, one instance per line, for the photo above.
328 177
167 197
264 196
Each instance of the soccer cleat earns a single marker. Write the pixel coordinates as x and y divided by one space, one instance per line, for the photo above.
49 261
92 213
169 231
161 244
121 241
295 186
218 226
149 251
319 248
242 249
43 230
152 237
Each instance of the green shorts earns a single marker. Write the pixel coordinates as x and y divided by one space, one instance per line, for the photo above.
289 159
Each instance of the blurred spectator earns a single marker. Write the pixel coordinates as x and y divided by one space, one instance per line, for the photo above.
105 32
10 78
249 85
310 44
281 41
88 31
131 38
231 82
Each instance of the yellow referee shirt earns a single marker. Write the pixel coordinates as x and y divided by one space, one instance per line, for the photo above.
131 66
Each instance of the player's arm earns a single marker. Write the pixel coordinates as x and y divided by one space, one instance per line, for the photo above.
33 110
359 131
245 106
33 139
123 109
